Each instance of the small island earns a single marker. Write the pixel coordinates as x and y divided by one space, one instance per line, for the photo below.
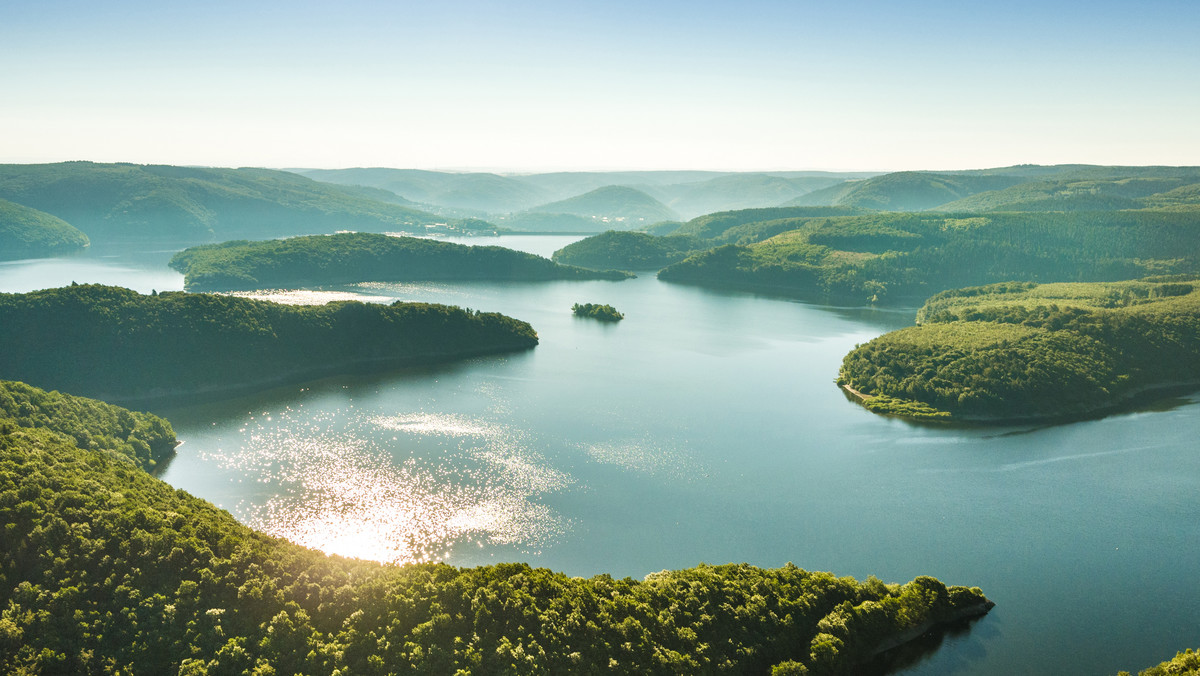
1020 351
605 313
348 258
123 346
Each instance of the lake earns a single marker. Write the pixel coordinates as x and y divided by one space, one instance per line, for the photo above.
706 427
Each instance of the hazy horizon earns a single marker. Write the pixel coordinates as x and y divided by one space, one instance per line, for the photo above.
531 87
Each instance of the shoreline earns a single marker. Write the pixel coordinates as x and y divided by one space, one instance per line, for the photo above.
176 396
1119 405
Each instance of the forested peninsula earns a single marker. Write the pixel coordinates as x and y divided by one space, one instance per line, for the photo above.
105 569
119 345
347 258
28 233
1024 351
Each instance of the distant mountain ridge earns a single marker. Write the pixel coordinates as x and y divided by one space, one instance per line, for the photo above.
129 202
508 197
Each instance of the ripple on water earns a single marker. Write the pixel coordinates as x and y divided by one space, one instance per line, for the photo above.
343 488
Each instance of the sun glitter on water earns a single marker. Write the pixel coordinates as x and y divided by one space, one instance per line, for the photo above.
344 489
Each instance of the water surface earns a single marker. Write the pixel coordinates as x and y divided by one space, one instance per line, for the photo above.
706 427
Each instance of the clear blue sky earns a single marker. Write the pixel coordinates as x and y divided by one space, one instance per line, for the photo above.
601 85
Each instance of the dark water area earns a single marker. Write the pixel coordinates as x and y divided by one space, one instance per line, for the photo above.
706 426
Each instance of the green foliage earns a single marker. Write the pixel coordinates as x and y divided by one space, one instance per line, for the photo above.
1186 663
360 257
624 250
141 437
120 202
605 313
893 257
27 233
112 342
615 205
105 569
1020 350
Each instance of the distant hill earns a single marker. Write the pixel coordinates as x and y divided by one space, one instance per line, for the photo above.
620 207
1133 192
907 190
26 233
125 202
691 193
483 192
737 191
532 221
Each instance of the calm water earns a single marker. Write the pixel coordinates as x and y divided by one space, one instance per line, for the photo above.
706 427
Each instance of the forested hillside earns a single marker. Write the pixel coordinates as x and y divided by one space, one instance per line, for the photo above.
896 257
104 569
361 257
627 250
29 233
126 202
120 345
1025 351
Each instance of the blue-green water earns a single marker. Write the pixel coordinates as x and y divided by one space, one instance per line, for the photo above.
706 427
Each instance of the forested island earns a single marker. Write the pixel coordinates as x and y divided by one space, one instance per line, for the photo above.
104 568
346 258
1024 351
605 313
29 233
120 345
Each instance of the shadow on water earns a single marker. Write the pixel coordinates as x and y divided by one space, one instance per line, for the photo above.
196 407
920 651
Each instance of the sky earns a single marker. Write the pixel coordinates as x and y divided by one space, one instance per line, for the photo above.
539 86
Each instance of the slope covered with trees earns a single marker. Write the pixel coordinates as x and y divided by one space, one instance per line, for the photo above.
360 257
1020 350
28 233
128 202
1186 663
626 250
897 257
104 569
117 344
614 203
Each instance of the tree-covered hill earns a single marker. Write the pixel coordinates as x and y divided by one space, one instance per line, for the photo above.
626 250
615 205
1020 350
896 257
105 569
361 257
907 190
117 344
1134 192
124 202
91 424
28 233
484 192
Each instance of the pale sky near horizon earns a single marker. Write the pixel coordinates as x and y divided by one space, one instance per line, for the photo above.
531 86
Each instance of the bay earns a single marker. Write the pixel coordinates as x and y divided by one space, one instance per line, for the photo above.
706 426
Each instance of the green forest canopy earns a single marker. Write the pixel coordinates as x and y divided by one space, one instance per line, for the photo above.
360 257
26 233
113 342
105 569
1023 350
